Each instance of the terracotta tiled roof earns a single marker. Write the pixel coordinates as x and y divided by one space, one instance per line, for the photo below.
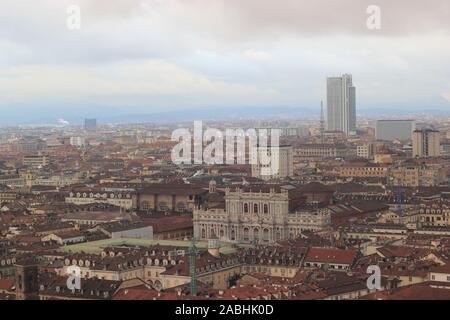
400 251
136 293
330 255
6 284
177 189
422 291
169 223
442 269
315 187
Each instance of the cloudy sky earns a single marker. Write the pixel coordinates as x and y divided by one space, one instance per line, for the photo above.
153 55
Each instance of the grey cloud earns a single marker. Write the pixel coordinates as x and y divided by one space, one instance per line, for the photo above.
134 29
343 16
289 46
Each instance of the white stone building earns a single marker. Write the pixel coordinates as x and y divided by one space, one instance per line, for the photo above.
264 215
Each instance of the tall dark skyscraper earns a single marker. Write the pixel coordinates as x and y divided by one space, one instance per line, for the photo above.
341 104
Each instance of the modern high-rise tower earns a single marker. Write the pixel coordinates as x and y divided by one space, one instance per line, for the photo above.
426 143
341 104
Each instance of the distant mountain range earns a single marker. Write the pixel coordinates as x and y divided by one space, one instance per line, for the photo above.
218 114
76 114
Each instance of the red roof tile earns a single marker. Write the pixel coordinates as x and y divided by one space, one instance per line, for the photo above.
330 255
6 284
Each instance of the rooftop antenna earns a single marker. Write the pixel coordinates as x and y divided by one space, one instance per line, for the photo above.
192 256
322 123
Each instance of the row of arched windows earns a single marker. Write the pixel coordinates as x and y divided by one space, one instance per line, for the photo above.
256 208
256 234
246 234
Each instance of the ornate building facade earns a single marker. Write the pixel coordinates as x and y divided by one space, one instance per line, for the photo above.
260 216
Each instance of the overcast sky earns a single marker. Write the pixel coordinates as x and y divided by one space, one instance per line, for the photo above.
152 55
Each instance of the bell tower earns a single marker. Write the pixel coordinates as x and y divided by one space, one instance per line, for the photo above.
27 280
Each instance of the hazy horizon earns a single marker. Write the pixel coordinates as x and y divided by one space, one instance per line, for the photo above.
106 115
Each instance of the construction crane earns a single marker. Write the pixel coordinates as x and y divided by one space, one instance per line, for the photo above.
192 257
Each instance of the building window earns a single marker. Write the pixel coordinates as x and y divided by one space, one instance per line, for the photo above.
266 234
181 207
163 206
145 205
203 234
255 208
245 207
246 234
266 208
256 234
